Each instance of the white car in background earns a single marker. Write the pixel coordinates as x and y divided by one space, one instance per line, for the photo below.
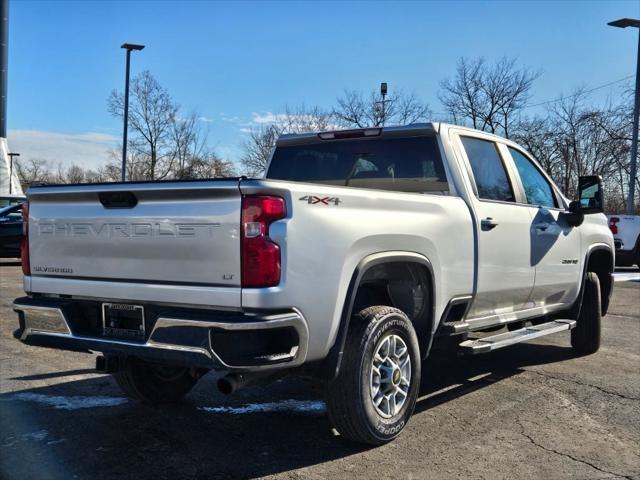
626 236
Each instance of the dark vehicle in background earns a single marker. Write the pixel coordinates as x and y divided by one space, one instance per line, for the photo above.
10 231
7 200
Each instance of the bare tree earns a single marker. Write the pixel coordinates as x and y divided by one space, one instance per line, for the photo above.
358 110
189 142
536 136
164 144
576 138
304 119
32 171
70 174
152 116
194 159
487 96
262 139
208 165
258 148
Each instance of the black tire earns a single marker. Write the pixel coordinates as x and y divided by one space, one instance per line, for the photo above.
585 337
349 399
152 383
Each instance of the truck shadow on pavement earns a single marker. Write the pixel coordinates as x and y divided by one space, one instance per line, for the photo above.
189 440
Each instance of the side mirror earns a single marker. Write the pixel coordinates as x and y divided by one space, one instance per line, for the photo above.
590 194
590 200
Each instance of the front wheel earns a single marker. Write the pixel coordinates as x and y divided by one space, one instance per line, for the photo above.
375 392
585 337
152 383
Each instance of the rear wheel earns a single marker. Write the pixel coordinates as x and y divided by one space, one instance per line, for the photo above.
585 337
373 396
153 383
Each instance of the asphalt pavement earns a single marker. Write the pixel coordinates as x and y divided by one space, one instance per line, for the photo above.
531 411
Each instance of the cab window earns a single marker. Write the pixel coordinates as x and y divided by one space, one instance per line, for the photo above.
488 170
407 164
536 187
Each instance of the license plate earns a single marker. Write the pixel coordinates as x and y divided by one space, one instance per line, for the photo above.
124 321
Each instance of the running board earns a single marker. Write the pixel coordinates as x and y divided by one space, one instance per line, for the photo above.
494 342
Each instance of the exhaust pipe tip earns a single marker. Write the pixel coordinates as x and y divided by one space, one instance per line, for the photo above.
235 381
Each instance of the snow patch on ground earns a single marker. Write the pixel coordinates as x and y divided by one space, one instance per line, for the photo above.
39 435
36 436
626 276
68 403
296 406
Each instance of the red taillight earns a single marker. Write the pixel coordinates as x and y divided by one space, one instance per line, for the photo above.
24 241
613 225
260 254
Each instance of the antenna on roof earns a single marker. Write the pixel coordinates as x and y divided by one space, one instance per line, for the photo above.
383 92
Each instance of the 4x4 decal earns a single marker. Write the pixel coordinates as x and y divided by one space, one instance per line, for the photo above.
313 200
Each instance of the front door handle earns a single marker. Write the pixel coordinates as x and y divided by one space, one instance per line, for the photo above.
488 224
542 226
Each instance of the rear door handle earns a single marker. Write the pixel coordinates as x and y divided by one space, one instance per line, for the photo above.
488 224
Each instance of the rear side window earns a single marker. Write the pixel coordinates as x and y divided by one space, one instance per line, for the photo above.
410 164
489 173
536 187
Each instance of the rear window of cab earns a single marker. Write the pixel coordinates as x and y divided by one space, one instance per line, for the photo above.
409 164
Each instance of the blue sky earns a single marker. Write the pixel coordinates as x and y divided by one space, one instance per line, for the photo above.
239 62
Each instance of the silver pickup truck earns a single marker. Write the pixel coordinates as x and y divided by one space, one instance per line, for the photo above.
356 253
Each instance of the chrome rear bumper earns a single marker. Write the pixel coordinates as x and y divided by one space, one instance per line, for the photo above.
176 340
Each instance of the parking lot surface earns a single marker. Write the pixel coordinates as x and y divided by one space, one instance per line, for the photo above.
530 411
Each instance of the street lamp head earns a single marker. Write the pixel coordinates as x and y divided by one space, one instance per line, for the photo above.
131 46
13 155
625 22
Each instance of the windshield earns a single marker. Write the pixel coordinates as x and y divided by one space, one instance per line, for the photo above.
410 164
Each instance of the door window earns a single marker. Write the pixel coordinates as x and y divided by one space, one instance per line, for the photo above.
536 187
489 173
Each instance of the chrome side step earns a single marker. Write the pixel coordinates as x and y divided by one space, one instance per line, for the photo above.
454 328
494 342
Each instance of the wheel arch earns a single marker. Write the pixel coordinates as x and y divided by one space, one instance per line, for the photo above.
371 270
600 260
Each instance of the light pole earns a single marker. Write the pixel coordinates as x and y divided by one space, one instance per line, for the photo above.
383 92
624 23
11 155
129 47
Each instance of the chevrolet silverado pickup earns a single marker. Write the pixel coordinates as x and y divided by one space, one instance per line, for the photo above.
356 253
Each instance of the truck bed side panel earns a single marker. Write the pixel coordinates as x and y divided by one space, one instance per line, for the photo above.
323 243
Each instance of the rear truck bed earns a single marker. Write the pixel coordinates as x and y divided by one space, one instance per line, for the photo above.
182 255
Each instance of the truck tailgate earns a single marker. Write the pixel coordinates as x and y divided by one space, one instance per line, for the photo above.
185 233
